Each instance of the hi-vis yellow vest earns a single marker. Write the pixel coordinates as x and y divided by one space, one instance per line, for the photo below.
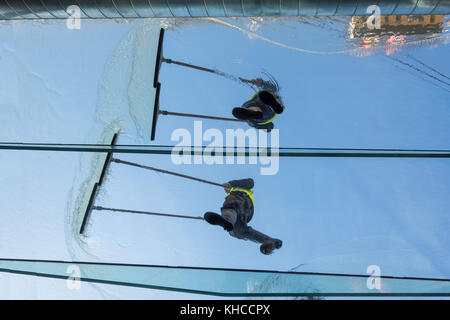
247 192
268 121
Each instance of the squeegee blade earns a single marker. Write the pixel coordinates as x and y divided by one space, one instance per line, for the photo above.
159 57
107 161
155 111
87 214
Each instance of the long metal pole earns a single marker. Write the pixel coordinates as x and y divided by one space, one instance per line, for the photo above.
179 114
146 212
257 82
184 64
236 151
165 171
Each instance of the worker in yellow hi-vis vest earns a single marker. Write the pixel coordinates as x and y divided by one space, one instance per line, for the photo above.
237 211
260 110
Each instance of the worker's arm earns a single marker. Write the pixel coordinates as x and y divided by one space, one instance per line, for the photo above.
243 183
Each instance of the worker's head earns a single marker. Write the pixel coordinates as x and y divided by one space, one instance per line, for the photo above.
229 214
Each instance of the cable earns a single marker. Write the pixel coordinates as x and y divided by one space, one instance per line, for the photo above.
427 66
420 70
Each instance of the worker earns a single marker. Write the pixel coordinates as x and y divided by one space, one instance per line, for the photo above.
260 110
237 211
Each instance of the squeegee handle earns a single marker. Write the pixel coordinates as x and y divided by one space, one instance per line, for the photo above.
184 64
179 114
146 212
166 171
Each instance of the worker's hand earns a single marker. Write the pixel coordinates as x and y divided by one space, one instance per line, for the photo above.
250 124
227 187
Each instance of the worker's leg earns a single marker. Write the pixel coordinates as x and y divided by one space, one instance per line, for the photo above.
257 236
246 113
268 244
218 220
229 215
269 99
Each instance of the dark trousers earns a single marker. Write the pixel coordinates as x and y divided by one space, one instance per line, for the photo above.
243 213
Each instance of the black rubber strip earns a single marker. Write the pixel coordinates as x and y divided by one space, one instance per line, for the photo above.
155 111
158 57
107 161
89 209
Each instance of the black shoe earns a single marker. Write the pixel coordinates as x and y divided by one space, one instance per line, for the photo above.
268 98
218 220
269 246
246 114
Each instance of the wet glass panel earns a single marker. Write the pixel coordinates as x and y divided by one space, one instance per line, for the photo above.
335 195
230 282
116 67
